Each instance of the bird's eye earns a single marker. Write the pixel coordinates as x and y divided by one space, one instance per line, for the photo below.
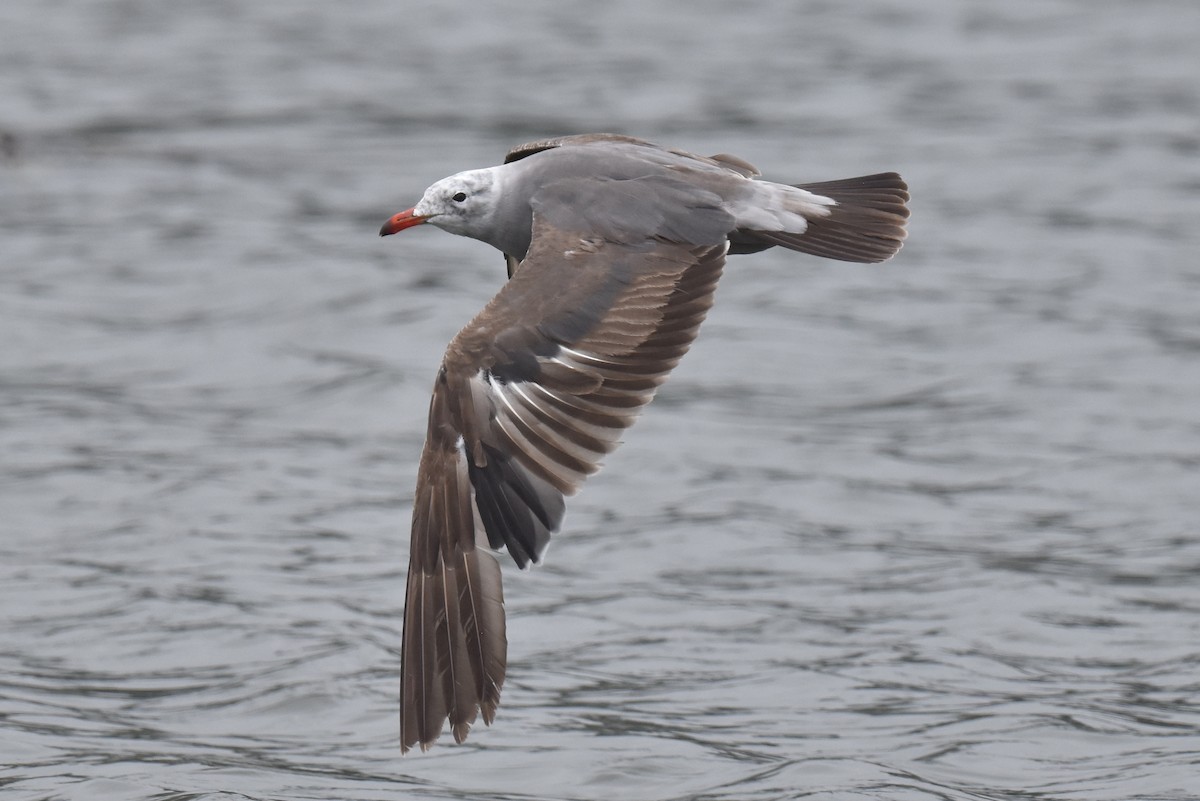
459 197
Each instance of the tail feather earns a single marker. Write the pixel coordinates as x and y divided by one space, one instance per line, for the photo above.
865 223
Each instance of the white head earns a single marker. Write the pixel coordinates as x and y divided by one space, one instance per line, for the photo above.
462 204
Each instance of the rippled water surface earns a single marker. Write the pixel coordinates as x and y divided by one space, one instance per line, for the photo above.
925 530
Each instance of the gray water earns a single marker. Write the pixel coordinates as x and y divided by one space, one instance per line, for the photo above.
922 530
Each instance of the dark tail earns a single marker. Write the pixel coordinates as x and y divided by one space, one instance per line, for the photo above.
866 224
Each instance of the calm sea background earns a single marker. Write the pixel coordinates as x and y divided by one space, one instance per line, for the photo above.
921 530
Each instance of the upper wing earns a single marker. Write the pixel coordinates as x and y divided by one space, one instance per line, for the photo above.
529 148
722 160
531 395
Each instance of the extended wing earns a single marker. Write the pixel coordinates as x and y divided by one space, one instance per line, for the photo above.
531 395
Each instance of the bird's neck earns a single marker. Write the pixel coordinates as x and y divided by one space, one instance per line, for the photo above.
510 227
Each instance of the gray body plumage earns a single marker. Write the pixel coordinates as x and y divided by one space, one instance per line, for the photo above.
639 193
629 191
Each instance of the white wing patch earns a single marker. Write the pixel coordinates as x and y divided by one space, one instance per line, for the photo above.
578 360
557 434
